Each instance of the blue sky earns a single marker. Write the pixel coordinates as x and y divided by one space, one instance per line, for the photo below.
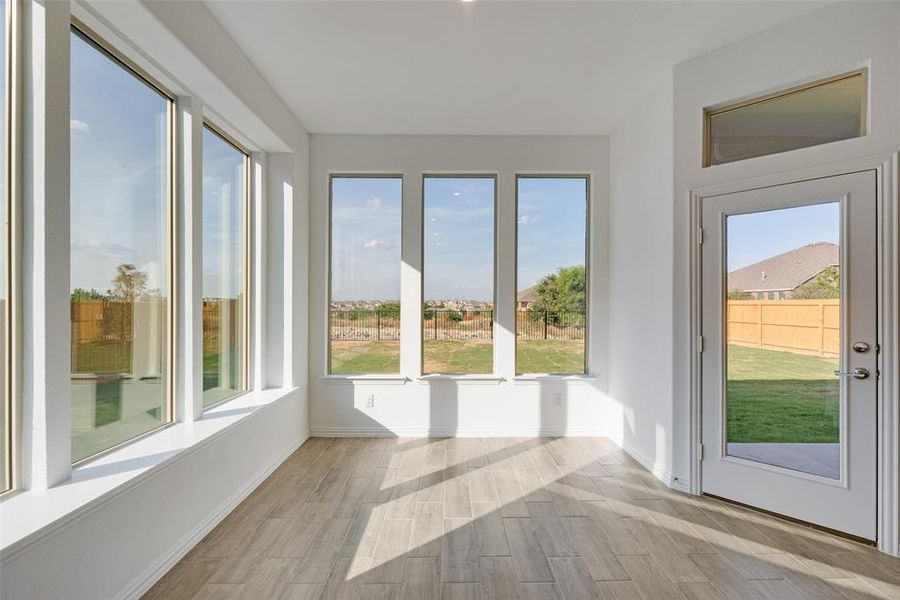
552 215
117 180
756 236
365 238
458 235
459 238
223 185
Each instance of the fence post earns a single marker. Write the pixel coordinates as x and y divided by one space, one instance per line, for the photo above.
434 318
378 326
760 306
545 324
821 329
491 322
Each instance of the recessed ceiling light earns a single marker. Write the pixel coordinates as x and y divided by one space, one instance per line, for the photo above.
457 193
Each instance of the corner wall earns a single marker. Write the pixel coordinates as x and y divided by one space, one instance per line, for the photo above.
836 39
640 277
504 405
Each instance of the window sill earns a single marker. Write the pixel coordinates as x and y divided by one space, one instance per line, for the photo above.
539 378
461 379
374 379
29 515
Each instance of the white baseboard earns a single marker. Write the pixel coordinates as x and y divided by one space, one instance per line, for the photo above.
326 431
155 572
657 471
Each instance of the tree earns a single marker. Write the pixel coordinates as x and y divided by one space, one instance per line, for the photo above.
739 295
560 293
82 294
388 310
825 285
129 283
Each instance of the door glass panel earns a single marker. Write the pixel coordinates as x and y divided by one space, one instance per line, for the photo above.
783 338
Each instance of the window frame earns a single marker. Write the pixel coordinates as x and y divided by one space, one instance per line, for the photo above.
495 177
588 189
95 40
11 402
710 112
246 239
329 258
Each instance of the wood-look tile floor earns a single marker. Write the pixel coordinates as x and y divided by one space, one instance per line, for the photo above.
506 518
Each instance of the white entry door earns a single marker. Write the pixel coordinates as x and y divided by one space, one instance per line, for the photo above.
789 363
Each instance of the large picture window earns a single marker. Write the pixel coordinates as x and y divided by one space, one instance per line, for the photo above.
551 274
5 395
120 267
364 314
225 277
458 315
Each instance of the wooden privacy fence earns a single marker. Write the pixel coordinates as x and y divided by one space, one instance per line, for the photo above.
800 326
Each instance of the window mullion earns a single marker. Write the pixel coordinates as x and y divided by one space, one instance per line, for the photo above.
189 324
46 422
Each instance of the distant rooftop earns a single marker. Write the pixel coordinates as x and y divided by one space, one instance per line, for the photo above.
786 271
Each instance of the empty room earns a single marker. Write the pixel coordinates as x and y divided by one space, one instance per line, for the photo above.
457 299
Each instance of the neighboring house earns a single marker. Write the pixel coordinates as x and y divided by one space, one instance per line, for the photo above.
526 297
776 278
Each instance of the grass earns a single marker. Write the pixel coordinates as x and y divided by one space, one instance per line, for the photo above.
458 357
781 397
772 396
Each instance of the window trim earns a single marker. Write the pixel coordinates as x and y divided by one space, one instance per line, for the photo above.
78 28
710 112
329 256
246 239
495 177
11 403
588 189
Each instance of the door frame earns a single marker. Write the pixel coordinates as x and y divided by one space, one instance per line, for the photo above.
885 167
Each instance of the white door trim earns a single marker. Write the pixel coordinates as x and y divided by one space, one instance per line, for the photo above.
886 170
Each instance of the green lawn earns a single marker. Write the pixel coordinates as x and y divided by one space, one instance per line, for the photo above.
781 397
451 356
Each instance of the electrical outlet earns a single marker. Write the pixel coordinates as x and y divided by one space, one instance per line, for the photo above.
370 401
557 398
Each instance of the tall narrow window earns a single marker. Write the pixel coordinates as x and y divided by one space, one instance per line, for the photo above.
5 396
120 251
551 302
458 319
365 275
225 282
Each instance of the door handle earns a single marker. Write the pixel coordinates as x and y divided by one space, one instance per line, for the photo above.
857 373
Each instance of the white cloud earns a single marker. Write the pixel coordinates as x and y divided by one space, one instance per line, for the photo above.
527 219
376 245
374 202
76 125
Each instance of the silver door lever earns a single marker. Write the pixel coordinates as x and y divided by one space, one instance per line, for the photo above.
857 373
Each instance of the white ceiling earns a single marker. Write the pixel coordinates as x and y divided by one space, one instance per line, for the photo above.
494 68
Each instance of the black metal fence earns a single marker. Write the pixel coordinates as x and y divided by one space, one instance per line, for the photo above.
450 324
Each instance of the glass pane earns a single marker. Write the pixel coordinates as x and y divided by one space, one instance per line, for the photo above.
458 321
551 300
365 274
816 115
119 252
4 263
783 338
224 269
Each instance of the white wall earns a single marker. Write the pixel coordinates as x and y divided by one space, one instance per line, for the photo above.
127 535
122 545
640 276
459 406
833 40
